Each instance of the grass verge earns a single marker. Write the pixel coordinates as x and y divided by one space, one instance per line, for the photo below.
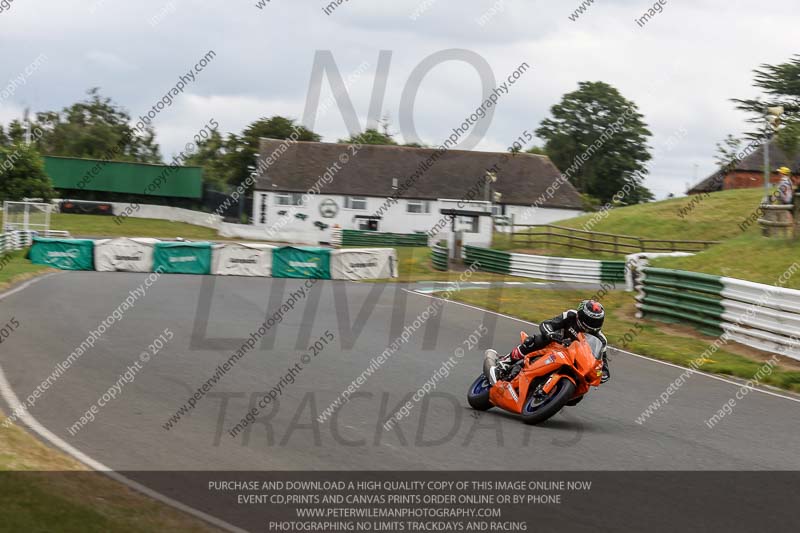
104 226
43 490
749 256
725 216
15 268
676 344
414 265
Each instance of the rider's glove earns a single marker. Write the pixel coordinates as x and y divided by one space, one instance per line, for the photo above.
606 375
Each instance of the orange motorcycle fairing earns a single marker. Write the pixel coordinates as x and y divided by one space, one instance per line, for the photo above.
575 363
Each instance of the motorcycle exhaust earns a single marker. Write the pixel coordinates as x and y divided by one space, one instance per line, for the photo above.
490 366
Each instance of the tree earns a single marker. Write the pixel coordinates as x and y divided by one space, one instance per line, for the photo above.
781 86
603 134
728 151
230 162
242 150
370 136
94 128
537 150
788 138
210 154
16 132
22 174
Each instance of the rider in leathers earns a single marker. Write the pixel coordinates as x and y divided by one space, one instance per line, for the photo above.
588 318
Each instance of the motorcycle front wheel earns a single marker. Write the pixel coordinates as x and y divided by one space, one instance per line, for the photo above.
478 395
537 410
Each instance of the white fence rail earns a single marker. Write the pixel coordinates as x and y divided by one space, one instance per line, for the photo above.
17 240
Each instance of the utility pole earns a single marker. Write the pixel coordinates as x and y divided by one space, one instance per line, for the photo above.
772 122
26 119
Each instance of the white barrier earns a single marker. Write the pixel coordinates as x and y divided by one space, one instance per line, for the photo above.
364 263
765 317
124 255
565 268
240 259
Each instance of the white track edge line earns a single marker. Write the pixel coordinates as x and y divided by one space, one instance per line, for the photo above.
646 358
16 406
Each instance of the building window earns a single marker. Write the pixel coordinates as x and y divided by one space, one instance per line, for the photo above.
498 209
469 224
355 202
418 206
367 224
263 217
288 198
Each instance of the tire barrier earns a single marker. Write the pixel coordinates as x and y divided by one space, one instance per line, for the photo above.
439 257
14 240
634 263
765 317
17 240
350 237
545 267
228 259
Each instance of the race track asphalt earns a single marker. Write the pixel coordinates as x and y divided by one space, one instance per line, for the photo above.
440 433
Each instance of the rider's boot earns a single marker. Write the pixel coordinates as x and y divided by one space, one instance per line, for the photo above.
606 372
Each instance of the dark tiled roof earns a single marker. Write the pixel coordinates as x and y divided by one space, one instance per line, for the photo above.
521 179
752 163
777 159
713 183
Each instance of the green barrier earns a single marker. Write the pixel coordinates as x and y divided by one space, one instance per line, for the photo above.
612 270
681 279
439 258
352 237
301 262
488 260
705 325
705 304
683 297
182 257
65 254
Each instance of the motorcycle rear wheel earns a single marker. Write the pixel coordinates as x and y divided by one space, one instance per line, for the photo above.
478 395
535 411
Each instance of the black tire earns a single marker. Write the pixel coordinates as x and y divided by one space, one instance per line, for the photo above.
565 390
576 401
478 395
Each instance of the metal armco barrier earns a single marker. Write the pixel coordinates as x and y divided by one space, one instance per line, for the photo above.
761 316
439 257
545 267
350 237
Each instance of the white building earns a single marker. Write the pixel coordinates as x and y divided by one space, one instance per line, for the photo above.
306 189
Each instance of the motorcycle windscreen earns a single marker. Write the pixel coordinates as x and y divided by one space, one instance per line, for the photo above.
596 345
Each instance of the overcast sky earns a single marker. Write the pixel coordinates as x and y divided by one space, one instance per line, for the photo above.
681 68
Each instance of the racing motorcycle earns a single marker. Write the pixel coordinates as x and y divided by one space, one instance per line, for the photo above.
559 374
